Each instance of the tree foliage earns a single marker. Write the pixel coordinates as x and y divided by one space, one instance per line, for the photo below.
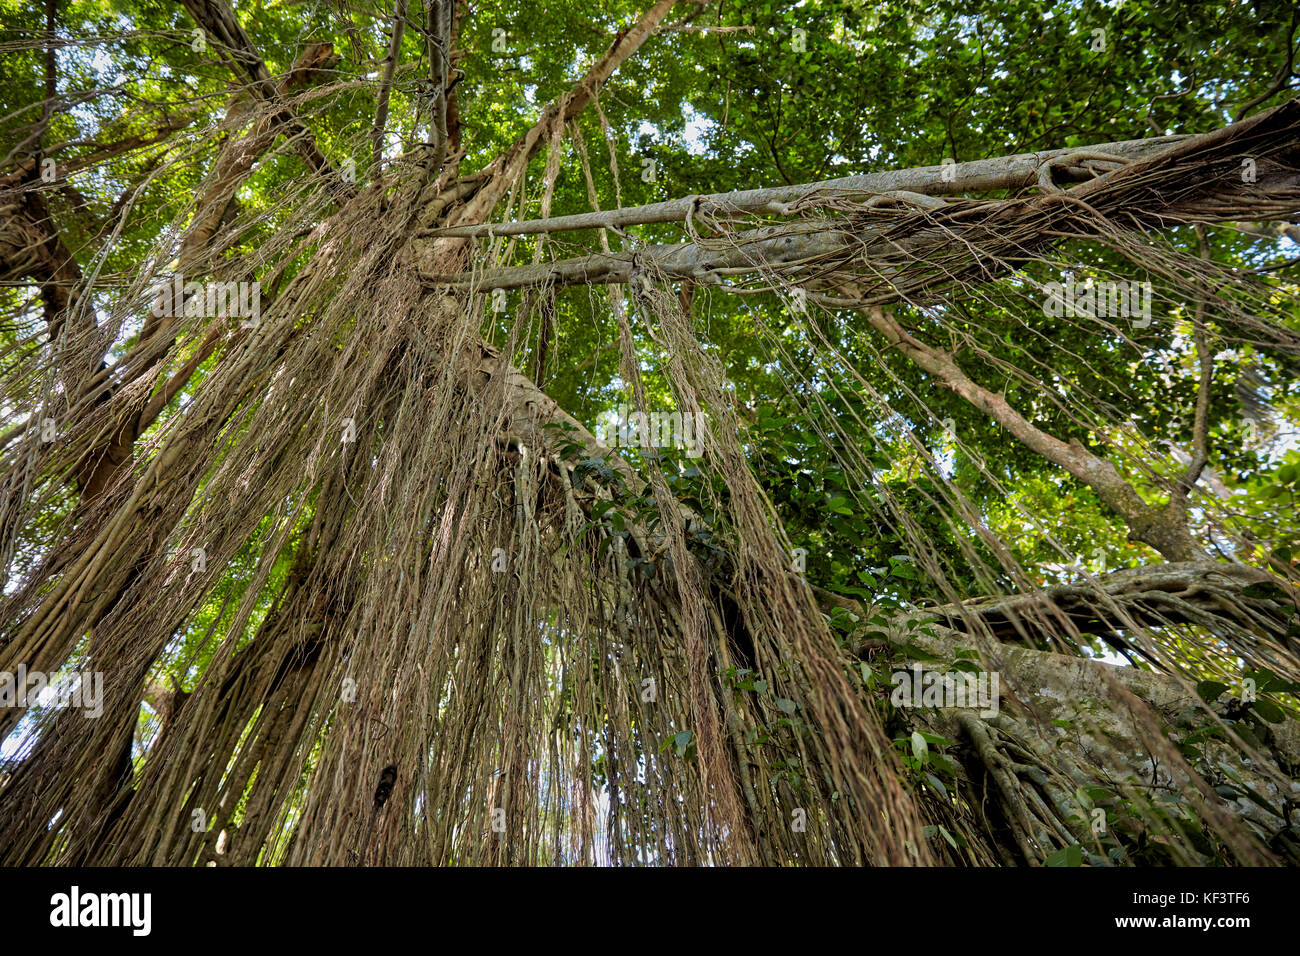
396 518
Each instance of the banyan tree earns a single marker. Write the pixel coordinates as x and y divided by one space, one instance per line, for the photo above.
701 433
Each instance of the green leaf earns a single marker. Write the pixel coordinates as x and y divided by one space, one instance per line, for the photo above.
937 784
1067 856
1210 690
1269 711
919 746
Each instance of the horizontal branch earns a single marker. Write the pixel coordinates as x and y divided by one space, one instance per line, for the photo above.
746 252
1202 593
981 175
1159 184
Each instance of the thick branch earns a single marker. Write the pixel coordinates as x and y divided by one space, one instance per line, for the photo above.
1146 524
505 169
219 20
1173 184
1146 597
983 175
385 87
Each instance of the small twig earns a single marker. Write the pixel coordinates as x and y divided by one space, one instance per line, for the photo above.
1284 73
1200 427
